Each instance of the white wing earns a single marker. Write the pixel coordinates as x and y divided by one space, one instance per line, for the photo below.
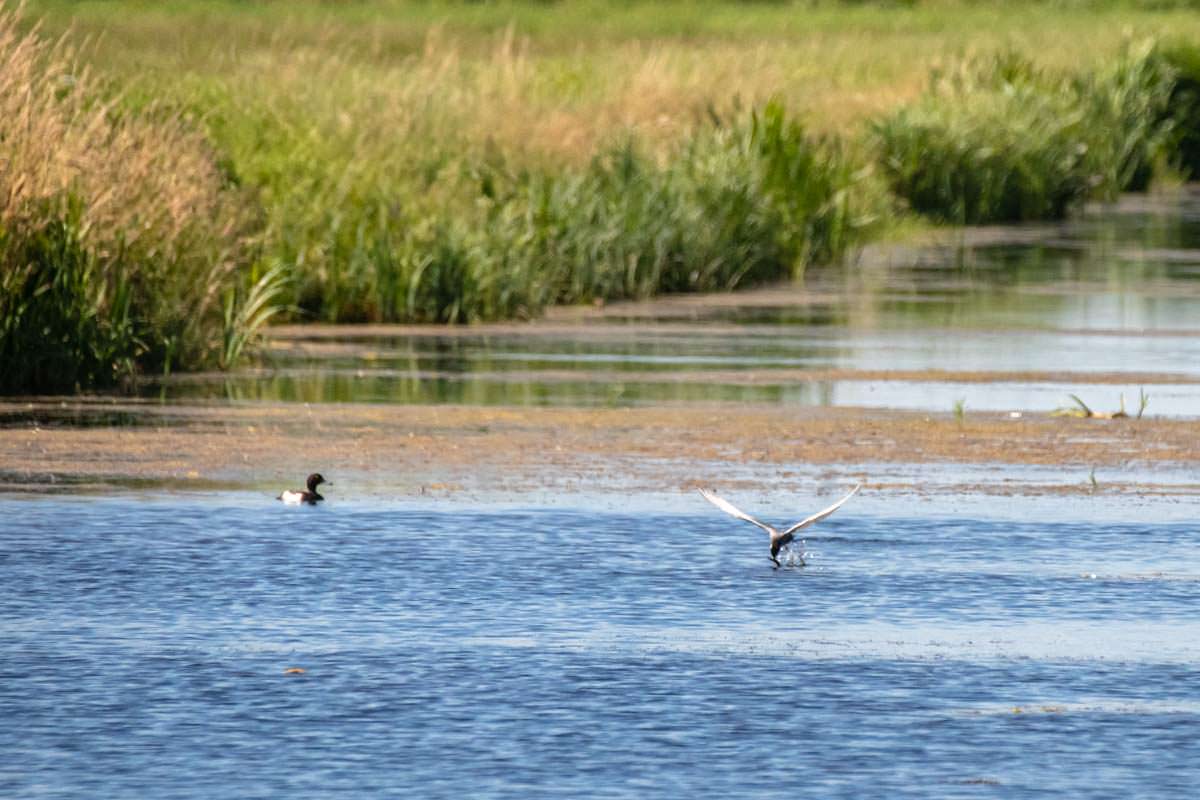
820 515
733 511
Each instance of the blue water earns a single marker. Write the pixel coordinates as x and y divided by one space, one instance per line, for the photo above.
468 652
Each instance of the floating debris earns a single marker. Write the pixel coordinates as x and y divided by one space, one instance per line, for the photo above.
1038 709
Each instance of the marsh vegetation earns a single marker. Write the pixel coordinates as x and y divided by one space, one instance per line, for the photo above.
195 170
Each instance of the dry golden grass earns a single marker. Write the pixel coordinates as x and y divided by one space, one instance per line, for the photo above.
121 242
146 182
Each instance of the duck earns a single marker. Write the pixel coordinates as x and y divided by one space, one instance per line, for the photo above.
297 497
779 539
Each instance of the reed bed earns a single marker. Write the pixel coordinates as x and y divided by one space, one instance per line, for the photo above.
1003 140
1183 60
118 234
752 201
386 161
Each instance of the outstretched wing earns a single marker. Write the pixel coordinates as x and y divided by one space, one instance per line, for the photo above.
733 511
820 515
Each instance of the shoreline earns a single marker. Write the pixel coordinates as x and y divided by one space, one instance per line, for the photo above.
456 449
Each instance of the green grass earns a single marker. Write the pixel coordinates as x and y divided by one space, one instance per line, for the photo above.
1004 140
58 329
583 69
118 233
1184 104
736 204
435 161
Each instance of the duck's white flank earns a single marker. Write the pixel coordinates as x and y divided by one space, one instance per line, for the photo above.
296 497
292 498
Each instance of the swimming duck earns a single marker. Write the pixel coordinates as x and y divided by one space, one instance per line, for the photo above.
301 497
778 539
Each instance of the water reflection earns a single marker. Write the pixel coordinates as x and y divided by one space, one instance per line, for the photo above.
1114 291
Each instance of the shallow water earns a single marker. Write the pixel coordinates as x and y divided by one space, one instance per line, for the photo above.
940 643
1115 291
555 652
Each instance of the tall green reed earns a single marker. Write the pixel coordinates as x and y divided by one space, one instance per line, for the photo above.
1002 140
62 325
1183 106
118 231
735 204
247 310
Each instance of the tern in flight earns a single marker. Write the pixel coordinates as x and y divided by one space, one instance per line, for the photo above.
779 539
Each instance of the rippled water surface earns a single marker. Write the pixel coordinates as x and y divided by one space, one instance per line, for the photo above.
555 644
531 653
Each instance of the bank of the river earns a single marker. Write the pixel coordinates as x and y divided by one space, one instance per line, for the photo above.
382 164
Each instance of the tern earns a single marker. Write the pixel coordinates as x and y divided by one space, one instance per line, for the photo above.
779 539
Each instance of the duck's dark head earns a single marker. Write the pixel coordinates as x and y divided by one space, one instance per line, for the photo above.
315 480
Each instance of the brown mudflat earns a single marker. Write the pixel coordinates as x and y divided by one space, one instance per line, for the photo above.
410 449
